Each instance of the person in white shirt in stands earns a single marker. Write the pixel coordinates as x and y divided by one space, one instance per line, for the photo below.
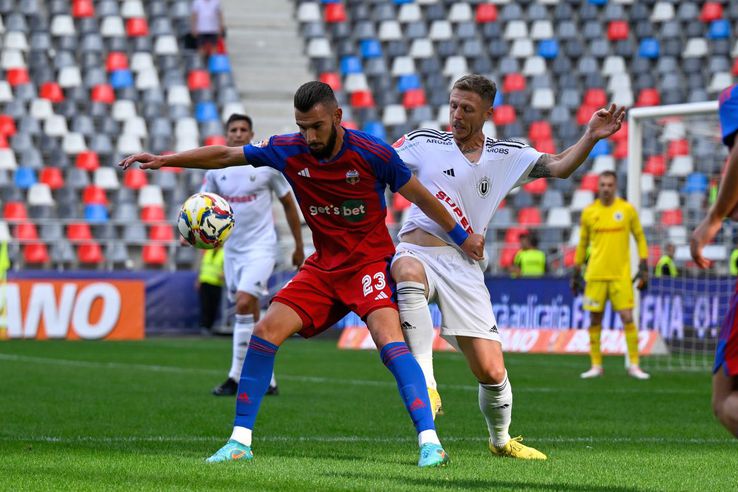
206 24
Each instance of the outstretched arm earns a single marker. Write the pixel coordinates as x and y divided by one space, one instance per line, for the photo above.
210 157
603 123
725 204
293 220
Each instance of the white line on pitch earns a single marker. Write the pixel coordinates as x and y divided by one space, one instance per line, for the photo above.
324 380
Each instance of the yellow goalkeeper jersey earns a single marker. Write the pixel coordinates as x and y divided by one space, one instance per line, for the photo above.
608 230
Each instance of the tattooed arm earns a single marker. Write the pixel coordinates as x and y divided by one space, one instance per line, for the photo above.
604 123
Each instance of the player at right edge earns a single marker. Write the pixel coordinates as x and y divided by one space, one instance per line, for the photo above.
725 370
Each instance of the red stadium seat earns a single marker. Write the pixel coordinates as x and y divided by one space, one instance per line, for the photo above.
584 113
17 76
546 145
94 195
569 254
152 213
507 256
512 235
513 82
529 216
215 140
621 149
52 177
595 97
656 165
672 217
711 11
7 126
536 187
137 26
504 115
654 254
362 99
26 231
622 134
87 160
83 8
90 253
735 67
220 47
414 98
3 141
103 93
350 124
15 211
389 219
161 232
198 79
589 182
335 12
539 130
677 147
399 202
117 60
135 178
79 232
486 12
154 254
35 253
648 97
617 30
332 79
51 91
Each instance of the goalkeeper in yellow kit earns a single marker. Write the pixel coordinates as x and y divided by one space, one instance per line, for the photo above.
606 225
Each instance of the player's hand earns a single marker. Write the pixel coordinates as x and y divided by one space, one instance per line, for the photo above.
606 121
147 161
642 276
701 237
474 246
298 257
576 283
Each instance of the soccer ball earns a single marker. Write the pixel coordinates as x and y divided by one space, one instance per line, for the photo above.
205 220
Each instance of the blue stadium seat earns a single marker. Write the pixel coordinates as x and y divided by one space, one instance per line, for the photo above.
376 129
370 48
696 183
601 148
25 177
719 29
120 79
219 64
407 82
96 213
649 48
206 111
350 64
548 48
499 99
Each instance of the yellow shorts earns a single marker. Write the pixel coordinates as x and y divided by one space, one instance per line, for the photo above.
597 292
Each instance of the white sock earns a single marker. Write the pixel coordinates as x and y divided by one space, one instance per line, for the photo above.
242 332
242 435
417 326
495 402
273 381
427 436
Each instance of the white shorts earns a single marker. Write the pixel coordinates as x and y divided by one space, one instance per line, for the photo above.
248 272
457 284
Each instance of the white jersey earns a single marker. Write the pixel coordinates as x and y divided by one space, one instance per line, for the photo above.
471 192
248 189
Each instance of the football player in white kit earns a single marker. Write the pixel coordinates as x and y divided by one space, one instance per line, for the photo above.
251 250
471 174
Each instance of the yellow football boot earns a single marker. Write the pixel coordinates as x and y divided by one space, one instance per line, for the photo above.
516 449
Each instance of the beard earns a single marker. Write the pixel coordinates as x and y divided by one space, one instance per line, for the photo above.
327 150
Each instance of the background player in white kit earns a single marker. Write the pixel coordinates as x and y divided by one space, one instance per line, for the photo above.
251 250
470 174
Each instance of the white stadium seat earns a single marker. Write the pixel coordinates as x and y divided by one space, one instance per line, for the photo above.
123 109
389 30
308 12
41 109
421 48
455 66
150 195
70 77
355 82
667 200
73 143
516 29
662 12
7 159
460 12
318 48
440 30
409 12
522 48
56 126
129 144
141 60
147 79
106 178
132 8
40 194
581 199
178 95
681 166
559 217
394 114
135 126
403 65
12 59
16 40
186 127
541 29
112 27
166 45
62 25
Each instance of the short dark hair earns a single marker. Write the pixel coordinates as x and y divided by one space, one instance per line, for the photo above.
477 84
312 93
239 117
609 173
531 237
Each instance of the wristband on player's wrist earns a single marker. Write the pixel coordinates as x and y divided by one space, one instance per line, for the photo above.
458 234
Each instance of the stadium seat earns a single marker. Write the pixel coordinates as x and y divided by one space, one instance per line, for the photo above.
17 76
135 178
335 12
667 200
51 91
154 255
414 98
90 253
362 99
649 48
376 129
35 253
486 12
87 160
711 11
25 231
671 217
153 213
78 232
24 178
332 79
696 183
512 235
504 115
121 79
7 126
648 97
215 140
559 217
83 9
677 148
507 256
548 48
681 166
513 82
581 199
655 165
106 178
52 177
96 212
198 79
219 64
617 30
94 195
161 232
136 27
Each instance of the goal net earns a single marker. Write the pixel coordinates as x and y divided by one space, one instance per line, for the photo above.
676 160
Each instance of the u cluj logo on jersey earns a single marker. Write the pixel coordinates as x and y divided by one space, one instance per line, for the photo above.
483 187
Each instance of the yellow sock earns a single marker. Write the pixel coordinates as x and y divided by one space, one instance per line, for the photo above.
631 339
594 345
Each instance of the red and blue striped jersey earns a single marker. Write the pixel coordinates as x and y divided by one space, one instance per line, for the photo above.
342 199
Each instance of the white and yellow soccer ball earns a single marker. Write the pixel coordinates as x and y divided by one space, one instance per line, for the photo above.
205 220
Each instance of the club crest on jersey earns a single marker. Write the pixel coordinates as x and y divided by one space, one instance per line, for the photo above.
483 187
399 142
618 216
252 178
352 177
261 143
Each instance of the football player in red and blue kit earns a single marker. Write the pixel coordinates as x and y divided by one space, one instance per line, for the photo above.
339 177
725 371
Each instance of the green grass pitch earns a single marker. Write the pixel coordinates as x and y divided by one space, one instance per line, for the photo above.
139 416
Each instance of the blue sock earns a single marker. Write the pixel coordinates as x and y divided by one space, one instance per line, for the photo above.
411 383
255 376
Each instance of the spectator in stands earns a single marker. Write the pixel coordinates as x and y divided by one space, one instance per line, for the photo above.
206 24
529 261
210 286
666 267
734 262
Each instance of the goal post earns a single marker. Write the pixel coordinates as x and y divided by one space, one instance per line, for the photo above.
686 139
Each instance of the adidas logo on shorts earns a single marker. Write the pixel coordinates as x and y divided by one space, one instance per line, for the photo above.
380 296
